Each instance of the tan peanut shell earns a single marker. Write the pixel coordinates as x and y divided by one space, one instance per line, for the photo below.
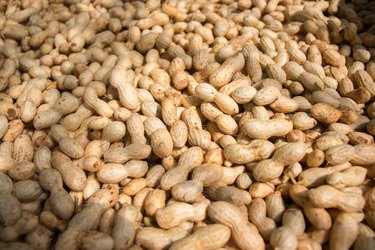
155 238
259 129
230 215
209 237
256 150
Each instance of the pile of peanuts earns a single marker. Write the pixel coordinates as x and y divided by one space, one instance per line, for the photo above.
183 124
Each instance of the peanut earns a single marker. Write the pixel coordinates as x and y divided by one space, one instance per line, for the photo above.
208 237
318 217
114 172
364 239
230 194
189 160
317 176
73 176
346 226
203 176
122 80
11 209
257 216
270 169
255 151
350 177
124 227
95 240
131 152
224 73
65 105
92 100
228 214
285 237
155 238
259 129
326 196
61 203
67 145
180 213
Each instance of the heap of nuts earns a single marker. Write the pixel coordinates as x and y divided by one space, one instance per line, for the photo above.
184 124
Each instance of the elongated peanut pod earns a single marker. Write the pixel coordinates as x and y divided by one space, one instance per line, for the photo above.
208 237
230 215
74 177
326 196
177 213
353 176
344 232
92 100
95 240
260 129
114 172
122 79
124 228
61 203
130 152
11 209
189 160
161 143
156 238
225 72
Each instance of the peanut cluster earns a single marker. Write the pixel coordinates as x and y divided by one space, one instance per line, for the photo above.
185 124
